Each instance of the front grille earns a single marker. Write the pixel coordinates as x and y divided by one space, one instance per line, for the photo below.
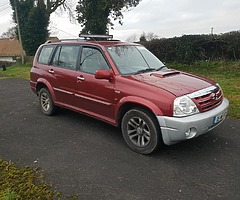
209 99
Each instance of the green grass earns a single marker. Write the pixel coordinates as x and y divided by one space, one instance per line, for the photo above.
23 183
16 71
227 74
20 183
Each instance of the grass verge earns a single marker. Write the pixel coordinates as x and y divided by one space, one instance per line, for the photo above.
23 183
16 71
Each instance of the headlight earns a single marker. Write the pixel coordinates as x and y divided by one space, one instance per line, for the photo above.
184 106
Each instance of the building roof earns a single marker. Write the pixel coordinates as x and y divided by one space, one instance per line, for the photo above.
53 38
9 47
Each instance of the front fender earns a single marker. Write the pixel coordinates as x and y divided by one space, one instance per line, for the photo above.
139 101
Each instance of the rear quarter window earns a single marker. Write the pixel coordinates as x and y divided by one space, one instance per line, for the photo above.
45 54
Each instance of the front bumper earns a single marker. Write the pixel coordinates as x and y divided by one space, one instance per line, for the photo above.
176 129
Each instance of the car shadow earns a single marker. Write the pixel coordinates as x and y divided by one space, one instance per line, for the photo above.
90 123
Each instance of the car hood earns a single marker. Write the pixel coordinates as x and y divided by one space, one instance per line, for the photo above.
176 82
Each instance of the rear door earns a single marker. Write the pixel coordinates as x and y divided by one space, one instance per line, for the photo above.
41 68
63 68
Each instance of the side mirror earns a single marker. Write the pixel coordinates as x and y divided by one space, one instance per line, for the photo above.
103 74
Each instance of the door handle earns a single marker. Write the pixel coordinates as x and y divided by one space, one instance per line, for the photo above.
80 78
51 71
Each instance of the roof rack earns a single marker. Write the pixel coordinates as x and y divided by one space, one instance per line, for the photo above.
86 37
96 37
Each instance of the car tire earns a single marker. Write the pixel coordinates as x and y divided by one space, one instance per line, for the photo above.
46 104
141 131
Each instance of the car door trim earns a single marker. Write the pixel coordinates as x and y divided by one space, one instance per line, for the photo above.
91 99
63 91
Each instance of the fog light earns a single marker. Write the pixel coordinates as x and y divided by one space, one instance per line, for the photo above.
190 133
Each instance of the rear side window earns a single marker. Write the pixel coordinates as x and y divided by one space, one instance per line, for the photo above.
45 54
66 57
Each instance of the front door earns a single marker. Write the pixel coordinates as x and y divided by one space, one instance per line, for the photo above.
94 96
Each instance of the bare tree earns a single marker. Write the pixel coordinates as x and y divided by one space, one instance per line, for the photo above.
63 5
151 36
10 33
132 38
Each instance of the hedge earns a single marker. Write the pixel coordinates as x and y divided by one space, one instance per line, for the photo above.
192 48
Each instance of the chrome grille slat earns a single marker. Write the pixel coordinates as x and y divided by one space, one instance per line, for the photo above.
209 100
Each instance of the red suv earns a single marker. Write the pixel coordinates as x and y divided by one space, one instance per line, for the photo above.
127 86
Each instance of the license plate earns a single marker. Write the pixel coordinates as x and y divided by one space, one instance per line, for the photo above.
219 118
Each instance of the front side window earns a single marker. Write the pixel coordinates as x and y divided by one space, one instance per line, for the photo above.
66 57
133 59
92 60
45 54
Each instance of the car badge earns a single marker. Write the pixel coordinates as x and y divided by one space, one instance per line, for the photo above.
214 96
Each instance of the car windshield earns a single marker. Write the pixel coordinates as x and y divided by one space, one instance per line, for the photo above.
134 59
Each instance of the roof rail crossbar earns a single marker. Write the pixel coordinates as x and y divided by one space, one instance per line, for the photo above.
69 40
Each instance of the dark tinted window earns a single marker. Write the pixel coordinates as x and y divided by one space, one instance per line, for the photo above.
66 57
45 54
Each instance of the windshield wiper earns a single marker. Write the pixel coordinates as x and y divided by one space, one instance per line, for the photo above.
145 70
160 68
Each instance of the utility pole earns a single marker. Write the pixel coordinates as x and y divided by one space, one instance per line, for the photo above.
212 31
19 33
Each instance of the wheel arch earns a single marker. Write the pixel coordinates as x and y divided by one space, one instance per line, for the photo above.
43 83
129 103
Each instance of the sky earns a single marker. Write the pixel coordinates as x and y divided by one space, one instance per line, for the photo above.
164 18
